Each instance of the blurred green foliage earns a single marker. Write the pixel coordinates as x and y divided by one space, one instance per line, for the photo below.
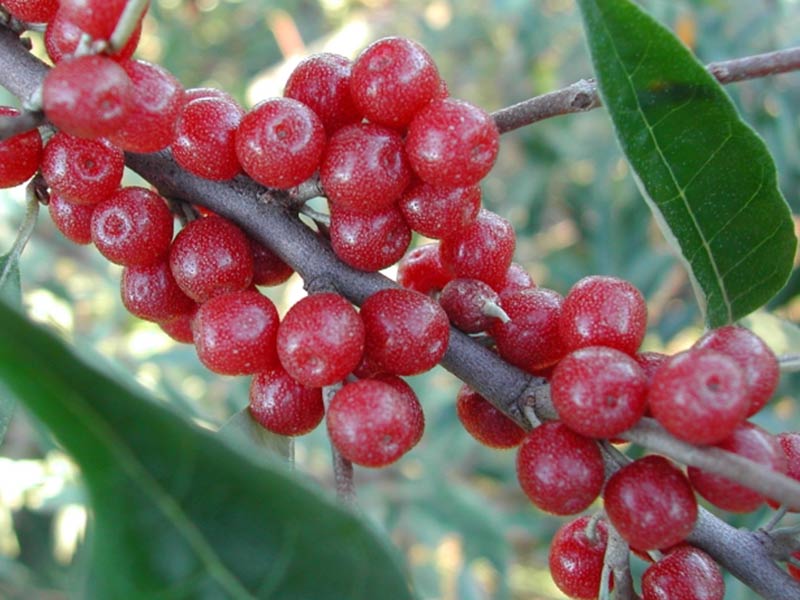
452 506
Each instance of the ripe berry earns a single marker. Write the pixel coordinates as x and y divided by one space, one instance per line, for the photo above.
650 362
82 171
179 328
530 340
151 293
515 280
132 227
321 339
322 82
748 441
369 242
235 333
98 18
364 168
650 503
399 384
20 155
280 142
372 423
576 561
32 11
754 358
686 573
421 270
392 80
471 305
699 396
561 471
603 311
482 251
452 143
407 332
268 268
62 36
790 444
88 96
73 220
205 138
485 422
284 406
598 391
438 212
211 256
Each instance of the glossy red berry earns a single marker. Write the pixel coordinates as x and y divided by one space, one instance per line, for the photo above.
88 96
369 242
98 18
486 423
421 270
392 80
321 339
151 293
157 99
699 396
790 444
406 332
82 171
20 155
650 362
284 406
754 358
364 168
268 268
604 311
561 471
452 143
235 333
515 280
411 399
530 340
211 256
32 11
438 212
686 573
322 82
132 227
73 220
576 560
471 305
599 392
748 441
179 328
280 142
205 138
62 36
650 503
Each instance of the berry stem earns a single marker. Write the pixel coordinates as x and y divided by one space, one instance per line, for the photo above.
789 363
616 562
25 121
492 309
25 229
127 23
342 468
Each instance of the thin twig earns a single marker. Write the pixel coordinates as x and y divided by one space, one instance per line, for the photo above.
789 363
25 231
25 121
342 468
128 21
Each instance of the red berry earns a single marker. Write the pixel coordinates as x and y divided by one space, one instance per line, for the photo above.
321 340
150 292
421 270
197 93
650 362
284 406
515 280
754 358
157 98
440 212
576 561
179 328
790 444
364 168
748 441
604 311
211 256
322 82
280 142
407 332
369 242
471 305
82 171
372 423
599 392
62 36
133 227
411 399
235 333
530 340
699 396
650 503
268 268
485 422
32 11
20 155
98 18
205 138
686 573
88 96
73 220
452 143
561 471
392 80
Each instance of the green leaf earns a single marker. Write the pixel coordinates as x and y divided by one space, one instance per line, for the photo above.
178 511
707 176
10 286
242 428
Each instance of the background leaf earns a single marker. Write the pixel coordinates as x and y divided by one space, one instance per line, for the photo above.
178 512
708 177
242 428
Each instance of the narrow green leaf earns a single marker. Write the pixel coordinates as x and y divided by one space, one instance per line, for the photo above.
707 176
10 292
179 512
242 428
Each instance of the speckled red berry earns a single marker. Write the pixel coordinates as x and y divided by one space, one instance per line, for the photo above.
471 305
20 155
576 560
686 573
440 212
284 406
150 292
73 220
32 11
369 242
421 270
485 422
